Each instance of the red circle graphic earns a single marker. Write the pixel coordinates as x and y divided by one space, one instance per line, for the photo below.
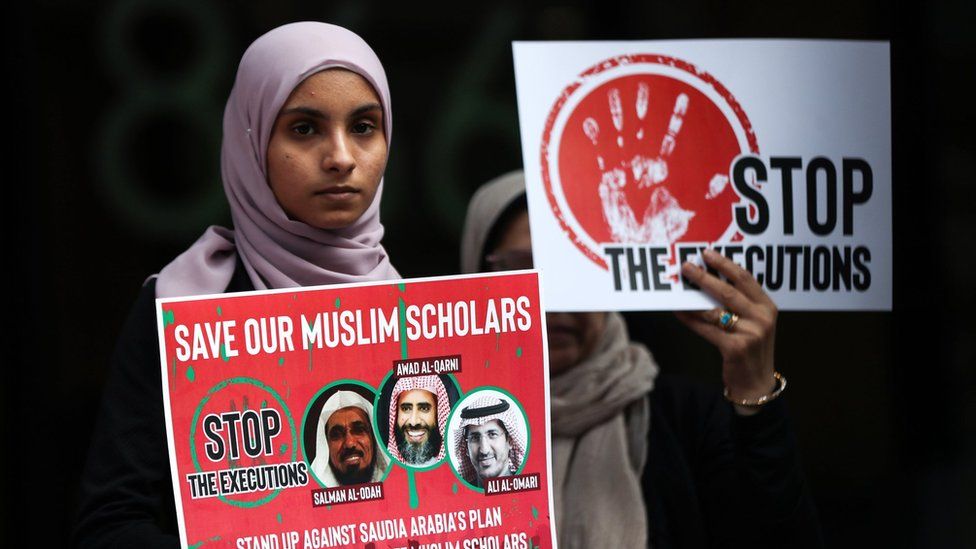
651 151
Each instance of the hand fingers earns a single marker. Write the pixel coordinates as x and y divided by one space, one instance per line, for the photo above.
712 318
696 322
723 292
742 344
740 278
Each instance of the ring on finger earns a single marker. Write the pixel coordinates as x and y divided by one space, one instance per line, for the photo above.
727 320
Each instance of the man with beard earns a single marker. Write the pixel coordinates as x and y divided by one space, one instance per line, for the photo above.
490 440
419 408
345 447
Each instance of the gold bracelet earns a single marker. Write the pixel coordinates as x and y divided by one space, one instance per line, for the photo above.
780 387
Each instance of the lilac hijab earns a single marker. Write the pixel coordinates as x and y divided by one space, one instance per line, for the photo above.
279 252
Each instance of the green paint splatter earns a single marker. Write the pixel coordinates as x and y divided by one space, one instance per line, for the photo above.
338 302
486 362
402 286
281 361
497 338
168 318
309 359
190 374
279 518
199 544
223 353
518 352
412 483
535 513
264 403
454 488
284 449
220 312
402 309
328 507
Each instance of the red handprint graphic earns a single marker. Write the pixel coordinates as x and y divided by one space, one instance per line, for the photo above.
643 158
664 220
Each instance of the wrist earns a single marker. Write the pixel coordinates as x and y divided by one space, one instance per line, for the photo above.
751 399
751 389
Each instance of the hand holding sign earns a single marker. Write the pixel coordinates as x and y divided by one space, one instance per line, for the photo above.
747 349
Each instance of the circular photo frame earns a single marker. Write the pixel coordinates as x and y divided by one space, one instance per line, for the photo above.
411 418
488 436
339 439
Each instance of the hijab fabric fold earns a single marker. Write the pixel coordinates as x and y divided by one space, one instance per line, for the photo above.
600 412
276 251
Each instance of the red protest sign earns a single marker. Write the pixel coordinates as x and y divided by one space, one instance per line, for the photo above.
379 415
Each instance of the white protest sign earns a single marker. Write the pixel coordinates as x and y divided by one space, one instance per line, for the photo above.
775 152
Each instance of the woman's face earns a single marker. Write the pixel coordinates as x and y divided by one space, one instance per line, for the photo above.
572 336
327 151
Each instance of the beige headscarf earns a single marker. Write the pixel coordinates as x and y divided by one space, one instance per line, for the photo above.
600 413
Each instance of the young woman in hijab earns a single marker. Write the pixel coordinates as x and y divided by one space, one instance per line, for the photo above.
642 460
306 134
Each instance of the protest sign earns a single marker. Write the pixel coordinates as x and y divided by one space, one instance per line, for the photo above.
393 414
777 153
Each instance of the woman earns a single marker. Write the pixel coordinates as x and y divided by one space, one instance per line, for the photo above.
306 135
710 473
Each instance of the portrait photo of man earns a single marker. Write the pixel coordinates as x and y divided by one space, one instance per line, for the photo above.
419 407
346 451
489 438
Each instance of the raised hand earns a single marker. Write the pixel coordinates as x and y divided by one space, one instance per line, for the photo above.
747 346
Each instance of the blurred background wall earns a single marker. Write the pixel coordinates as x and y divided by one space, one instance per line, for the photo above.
112 170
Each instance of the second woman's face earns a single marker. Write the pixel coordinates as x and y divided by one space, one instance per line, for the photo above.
572 337
327 151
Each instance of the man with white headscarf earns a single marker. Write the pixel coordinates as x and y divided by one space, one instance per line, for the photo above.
419 407
345 447
490 440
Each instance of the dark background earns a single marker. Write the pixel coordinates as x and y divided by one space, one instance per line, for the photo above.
112 170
